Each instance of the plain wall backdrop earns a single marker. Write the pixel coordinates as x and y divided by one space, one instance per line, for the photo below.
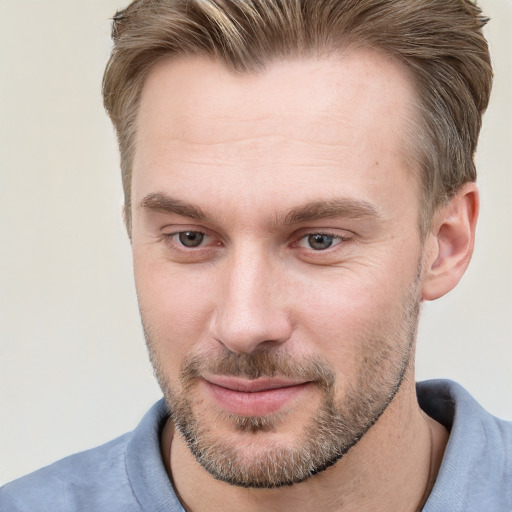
74 371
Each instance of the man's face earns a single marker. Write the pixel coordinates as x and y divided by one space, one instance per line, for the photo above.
277 256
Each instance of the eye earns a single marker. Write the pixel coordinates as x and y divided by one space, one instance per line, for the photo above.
319 241
190 238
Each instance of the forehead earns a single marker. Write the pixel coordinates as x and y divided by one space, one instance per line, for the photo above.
308 89
314 120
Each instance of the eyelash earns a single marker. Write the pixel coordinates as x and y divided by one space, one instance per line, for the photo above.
172 238
337 239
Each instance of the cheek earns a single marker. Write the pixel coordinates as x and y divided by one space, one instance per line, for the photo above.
174 305
351 315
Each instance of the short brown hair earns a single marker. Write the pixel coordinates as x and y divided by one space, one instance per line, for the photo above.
440 41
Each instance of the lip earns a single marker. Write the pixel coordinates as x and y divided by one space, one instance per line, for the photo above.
257 397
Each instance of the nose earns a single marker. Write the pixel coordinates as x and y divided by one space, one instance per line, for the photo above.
251 310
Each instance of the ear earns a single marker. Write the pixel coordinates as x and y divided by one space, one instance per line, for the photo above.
450 243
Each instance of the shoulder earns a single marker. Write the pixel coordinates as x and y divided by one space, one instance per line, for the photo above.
67 485
476 472
110 478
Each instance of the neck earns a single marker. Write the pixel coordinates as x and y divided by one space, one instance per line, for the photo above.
392 468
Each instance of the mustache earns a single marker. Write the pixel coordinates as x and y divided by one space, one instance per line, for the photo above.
263 363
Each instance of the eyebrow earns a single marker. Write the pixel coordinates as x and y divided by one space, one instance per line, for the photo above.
159 202
331 208
314 210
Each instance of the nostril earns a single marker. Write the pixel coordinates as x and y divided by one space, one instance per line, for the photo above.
246 333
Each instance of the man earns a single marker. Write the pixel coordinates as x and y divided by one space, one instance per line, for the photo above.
298 177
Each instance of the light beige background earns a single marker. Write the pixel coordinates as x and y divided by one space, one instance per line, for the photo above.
73 366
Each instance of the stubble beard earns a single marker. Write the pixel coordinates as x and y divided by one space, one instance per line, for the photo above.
329 434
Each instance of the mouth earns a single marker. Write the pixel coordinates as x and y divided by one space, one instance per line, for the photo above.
258 397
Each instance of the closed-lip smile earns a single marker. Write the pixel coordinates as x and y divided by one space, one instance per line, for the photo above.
258 397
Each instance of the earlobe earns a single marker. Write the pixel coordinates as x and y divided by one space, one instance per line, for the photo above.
450 243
